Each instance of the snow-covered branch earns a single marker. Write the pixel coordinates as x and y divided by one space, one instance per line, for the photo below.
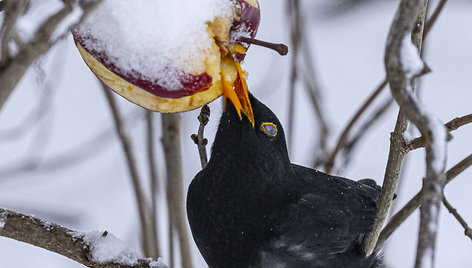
396 154
94 249
403 65
450 126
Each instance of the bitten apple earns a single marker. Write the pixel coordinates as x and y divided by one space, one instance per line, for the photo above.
221 72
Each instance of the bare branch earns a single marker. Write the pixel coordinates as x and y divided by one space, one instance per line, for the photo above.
199 138
432 20
415 202
302 70
343 138
453 211
345 133
450 126
14 68
171 142
150 136
410 14
294 14
60 240
401 74
12 10
363 130
142 204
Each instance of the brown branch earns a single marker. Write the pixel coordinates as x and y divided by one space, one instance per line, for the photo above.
199 138
450 126
401 77
171 142
14 68
63 241
150 137
343 138
408 21
280 48
13 9
141 202
415 202
432 20
370 122
345 133
294 15
453 211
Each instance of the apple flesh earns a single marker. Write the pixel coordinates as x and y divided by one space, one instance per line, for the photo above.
197 89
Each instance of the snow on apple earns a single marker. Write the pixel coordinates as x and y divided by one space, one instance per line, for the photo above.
167 56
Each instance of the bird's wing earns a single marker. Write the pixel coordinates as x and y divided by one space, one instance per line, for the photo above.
330 215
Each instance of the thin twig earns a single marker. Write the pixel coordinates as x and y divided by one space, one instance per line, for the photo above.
345 133
453 211
311 84
85 151
141 202
150 137
293 9
280 48
171 142
370 122
432 20
13 70
450 126
199 138
343 138
415 202
58 239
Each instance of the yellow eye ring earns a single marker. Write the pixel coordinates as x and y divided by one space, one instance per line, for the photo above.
270 129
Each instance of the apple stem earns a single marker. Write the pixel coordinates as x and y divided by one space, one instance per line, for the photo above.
280 48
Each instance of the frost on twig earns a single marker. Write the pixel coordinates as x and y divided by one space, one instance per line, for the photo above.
403 65
94 249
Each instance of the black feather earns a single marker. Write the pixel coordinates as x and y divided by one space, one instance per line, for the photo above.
251 207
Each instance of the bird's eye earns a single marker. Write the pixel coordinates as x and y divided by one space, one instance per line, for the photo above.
270 129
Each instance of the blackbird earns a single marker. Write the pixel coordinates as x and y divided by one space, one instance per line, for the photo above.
251 207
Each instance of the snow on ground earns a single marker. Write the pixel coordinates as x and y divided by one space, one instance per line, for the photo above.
94 192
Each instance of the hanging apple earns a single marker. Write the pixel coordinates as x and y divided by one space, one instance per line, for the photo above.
171 56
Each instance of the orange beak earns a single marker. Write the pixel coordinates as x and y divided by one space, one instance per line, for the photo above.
239 96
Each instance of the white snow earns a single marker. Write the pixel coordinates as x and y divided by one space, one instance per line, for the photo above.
109 248
439 145
410 58
149 36
3 218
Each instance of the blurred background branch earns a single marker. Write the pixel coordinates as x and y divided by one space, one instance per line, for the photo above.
352 148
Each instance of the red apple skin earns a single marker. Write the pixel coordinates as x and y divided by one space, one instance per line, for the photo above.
249 22
191 84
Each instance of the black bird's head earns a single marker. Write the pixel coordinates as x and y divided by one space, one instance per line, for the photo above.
263 144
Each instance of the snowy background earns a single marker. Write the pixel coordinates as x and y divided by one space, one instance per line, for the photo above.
60 159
